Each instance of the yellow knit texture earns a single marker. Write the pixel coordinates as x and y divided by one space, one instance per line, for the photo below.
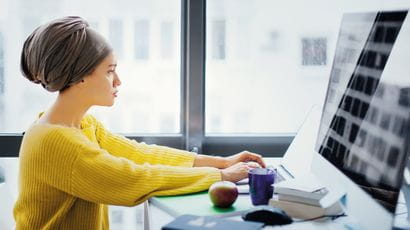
68 176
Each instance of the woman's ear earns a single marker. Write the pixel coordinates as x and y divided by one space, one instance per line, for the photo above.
81 84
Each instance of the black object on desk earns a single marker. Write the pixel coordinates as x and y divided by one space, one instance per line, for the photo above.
268 215
193 222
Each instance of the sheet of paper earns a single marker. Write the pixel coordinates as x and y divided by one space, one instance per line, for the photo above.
243 189
308 183
244 181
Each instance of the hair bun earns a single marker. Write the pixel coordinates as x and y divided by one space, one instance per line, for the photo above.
61 52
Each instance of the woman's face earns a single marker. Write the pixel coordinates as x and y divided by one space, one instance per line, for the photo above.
101 85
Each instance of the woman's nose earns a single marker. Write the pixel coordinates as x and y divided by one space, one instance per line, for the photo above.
117 81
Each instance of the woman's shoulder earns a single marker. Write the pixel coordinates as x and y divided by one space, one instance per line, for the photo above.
41 132
89 120
45 131
49 141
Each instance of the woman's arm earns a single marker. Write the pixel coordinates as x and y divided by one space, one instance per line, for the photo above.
103 178
225 162
210 161
140 153
86 171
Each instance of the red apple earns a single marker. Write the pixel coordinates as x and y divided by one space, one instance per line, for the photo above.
223 193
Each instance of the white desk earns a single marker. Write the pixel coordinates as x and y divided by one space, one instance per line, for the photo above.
158 212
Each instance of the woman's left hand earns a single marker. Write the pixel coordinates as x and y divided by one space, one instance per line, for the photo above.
244 156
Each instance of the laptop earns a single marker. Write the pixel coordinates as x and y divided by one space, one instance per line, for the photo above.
298 157
297 160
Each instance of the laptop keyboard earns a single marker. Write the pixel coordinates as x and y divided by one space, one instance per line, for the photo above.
279 177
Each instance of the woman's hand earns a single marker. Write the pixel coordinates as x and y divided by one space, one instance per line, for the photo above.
244 156
237 171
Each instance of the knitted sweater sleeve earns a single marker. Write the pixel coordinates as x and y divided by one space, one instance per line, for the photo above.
93 174
140 153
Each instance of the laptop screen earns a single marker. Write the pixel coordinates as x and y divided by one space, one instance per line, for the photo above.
367 107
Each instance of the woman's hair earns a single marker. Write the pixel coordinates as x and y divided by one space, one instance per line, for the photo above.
62 52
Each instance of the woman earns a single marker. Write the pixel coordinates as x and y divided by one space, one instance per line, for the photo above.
71 167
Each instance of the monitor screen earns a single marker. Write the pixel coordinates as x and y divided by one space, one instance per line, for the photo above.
364 126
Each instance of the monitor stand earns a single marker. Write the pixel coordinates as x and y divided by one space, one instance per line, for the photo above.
402 216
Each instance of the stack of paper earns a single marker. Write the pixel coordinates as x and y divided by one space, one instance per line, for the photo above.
301 198
307 190
305 211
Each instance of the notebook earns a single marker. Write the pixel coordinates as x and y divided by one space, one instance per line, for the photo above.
192 222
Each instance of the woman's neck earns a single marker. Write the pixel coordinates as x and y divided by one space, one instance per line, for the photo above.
68 110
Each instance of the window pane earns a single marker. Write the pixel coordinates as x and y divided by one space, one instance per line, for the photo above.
141 39
116 36
2 83
147 49
314 51
218 39
268 61
167 39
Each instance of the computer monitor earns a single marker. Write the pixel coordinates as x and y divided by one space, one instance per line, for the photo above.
362 140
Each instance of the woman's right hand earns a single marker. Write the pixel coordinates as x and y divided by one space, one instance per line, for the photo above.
238 171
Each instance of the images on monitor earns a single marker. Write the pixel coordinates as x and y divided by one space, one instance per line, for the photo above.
365 119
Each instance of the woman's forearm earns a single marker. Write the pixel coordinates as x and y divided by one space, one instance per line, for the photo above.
210 161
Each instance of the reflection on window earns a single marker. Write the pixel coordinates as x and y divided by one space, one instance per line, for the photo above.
218 39
167 40
141 39
115 36
314 51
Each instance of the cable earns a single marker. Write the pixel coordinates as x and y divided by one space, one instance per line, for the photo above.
333 217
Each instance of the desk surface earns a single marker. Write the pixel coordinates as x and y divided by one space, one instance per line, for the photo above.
200 203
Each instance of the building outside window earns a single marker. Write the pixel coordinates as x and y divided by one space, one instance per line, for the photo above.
142 37
314 51
116 36
2 83
167 40
218 40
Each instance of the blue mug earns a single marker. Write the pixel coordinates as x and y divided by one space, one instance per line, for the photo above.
260 185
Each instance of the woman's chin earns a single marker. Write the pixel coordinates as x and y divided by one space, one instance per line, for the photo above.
106 104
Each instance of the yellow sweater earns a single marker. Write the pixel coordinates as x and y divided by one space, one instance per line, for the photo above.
68 176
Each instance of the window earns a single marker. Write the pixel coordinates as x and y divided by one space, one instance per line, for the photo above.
314 51
142 38
272 41
149 97
167 40
2 83
276 61
218 39
116 36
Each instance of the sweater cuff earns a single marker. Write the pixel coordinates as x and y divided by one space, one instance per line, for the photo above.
186 158
217 176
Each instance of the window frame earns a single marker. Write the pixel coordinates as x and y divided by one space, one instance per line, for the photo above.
192 136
